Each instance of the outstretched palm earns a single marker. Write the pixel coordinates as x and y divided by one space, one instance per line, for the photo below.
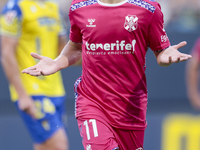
46 66
172 55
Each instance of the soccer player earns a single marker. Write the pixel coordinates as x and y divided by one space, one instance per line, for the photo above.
112 36
192 76
35 26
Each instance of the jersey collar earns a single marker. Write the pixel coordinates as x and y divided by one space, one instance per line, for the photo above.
112 5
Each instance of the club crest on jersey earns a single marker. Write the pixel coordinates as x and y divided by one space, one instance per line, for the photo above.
131 23
10 17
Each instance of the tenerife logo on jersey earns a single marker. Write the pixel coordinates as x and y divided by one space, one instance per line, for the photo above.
131 23
118 45
117 48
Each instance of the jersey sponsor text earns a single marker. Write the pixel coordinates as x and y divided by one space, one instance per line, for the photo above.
118 45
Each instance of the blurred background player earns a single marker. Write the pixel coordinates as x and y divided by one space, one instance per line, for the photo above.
192 76
35 26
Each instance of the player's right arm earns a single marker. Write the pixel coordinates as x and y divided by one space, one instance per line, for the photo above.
9 63
10 30
70 55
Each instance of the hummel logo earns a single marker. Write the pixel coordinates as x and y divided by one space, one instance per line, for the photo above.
91 21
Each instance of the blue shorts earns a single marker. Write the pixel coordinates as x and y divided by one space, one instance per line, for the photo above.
49 117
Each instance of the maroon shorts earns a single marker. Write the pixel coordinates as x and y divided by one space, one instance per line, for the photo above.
97 134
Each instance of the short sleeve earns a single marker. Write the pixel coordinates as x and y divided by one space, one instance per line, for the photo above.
11 20
75 32
158 39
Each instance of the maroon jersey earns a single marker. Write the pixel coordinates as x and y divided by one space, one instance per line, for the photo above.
115 39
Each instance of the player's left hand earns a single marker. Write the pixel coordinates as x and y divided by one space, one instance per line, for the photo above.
172 55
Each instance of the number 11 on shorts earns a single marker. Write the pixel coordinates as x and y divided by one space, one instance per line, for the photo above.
94 126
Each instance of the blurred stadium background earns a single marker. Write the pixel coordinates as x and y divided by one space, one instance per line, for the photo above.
172 123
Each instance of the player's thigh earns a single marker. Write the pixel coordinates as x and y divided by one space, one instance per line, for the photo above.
96 134
59 103
58 141
129 139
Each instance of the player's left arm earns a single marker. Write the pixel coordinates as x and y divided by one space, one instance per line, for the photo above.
159 41
171 55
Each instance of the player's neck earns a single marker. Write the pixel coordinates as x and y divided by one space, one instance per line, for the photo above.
111 1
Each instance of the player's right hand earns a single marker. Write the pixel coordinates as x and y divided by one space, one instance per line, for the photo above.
27 105
46 66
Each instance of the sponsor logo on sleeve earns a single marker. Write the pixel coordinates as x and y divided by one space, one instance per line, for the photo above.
164 38
163 27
